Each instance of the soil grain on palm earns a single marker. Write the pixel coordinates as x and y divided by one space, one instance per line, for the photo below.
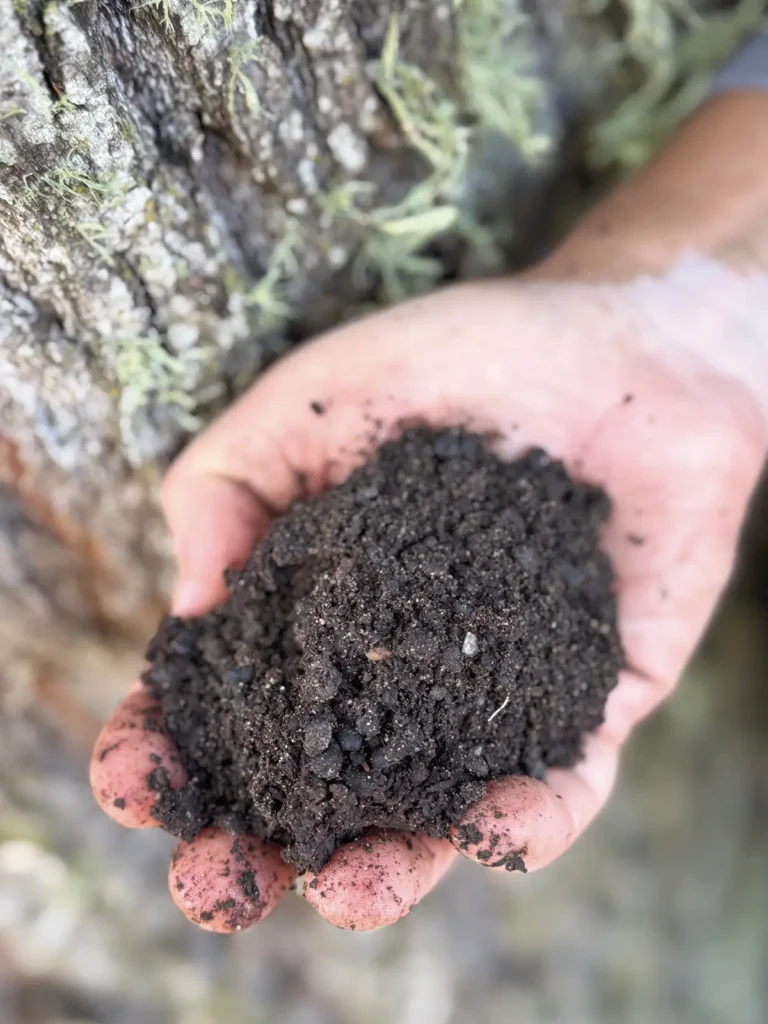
441 619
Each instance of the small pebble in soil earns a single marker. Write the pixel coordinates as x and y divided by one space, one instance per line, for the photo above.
440 620
470 645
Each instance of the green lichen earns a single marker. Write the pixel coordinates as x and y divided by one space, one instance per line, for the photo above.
147 374
14 110
656 68
668 54
97 237
238 80
395 236
267 295
428 118
496 91
72 186
208 13
63 104
497 80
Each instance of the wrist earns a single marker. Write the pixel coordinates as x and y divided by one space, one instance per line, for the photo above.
705 193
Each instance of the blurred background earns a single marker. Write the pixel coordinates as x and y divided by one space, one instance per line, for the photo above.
149 268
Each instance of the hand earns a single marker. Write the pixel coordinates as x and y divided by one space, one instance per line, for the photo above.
602 378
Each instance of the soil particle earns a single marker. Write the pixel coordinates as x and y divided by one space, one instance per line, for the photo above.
470 646
470 835
484 583
247 882
119 802
512 861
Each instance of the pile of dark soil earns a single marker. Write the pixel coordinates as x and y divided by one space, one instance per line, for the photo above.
441 619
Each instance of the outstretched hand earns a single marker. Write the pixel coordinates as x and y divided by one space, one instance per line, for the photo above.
600 378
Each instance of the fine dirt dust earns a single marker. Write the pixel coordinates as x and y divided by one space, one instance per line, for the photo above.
441 619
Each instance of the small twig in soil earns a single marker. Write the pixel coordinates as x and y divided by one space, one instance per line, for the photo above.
499 710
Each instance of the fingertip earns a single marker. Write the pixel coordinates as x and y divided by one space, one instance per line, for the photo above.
521 824
226 883
375 881
214 523
193 597
128 751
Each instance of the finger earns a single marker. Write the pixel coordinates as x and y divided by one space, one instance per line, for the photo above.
376 880
522 824
214 523
299 429
632 700
226 883
128 751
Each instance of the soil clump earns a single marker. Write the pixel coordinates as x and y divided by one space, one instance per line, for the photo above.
441 619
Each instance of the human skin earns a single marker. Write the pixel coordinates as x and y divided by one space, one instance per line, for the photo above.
637 353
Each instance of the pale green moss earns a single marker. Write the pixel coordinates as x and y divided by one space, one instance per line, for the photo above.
655 72
209 12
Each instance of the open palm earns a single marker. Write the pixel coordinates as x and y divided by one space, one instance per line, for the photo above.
677 445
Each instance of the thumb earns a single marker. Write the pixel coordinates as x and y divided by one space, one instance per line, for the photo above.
214 523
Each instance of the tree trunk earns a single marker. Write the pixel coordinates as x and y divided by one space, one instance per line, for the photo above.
189 186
